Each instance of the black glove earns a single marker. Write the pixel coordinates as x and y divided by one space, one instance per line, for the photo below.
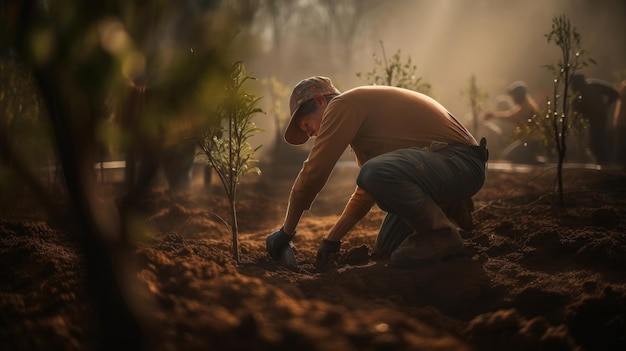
276 242
327 254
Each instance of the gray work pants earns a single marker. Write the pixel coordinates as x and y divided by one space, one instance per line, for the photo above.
400 181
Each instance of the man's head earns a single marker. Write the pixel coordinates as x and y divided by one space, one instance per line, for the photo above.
305 97
518 91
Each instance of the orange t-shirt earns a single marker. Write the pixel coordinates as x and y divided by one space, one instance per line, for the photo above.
372 120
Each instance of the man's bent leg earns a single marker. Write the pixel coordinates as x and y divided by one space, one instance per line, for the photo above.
435 237
405 183
392 232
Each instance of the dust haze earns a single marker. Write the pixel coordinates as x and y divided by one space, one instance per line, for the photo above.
449 41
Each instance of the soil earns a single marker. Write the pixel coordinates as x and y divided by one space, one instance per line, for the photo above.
533 276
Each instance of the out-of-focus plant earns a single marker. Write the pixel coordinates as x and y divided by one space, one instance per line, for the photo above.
277 94
21 114
395 72
78 54
558 119
477 98
226 144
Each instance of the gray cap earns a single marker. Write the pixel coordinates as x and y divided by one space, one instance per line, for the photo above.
303 92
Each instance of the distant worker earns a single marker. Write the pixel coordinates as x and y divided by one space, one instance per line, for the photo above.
593 101
150 149
619 122
529 145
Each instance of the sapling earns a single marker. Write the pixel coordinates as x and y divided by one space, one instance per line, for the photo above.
559 118
395 73
477 98
226 143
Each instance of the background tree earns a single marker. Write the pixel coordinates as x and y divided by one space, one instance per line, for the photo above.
342 21
477 98
278 94
21 114
395 73
559 118
226 145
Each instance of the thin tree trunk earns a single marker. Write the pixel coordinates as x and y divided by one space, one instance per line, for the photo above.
118 327
234 229
559 176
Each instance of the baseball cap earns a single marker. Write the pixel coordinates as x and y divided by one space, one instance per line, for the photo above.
517 88
303 92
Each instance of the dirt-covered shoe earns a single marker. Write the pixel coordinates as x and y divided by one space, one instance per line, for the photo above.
461 213
418 249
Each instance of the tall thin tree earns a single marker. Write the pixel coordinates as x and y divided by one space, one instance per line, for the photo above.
477 98
226 144
559 118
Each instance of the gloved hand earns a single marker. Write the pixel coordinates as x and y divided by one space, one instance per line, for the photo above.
276 242
327 254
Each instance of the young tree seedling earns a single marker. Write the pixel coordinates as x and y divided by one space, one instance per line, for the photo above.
227 144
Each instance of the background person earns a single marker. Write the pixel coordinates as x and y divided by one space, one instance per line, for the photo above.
593 100
528 146
619 122
154 147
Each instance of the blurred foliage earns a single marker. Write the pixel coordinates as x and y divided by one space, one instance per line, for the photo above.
87 60
476 98
94 57
278 92
70 70
395 73
19 102
226 145
21 114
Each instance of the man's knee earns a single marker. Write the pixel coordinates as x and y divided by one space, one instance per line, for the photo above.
369 176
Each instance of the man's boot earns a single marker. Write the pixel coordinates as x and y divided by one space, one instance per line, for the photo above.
461 213
393 231
435 237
